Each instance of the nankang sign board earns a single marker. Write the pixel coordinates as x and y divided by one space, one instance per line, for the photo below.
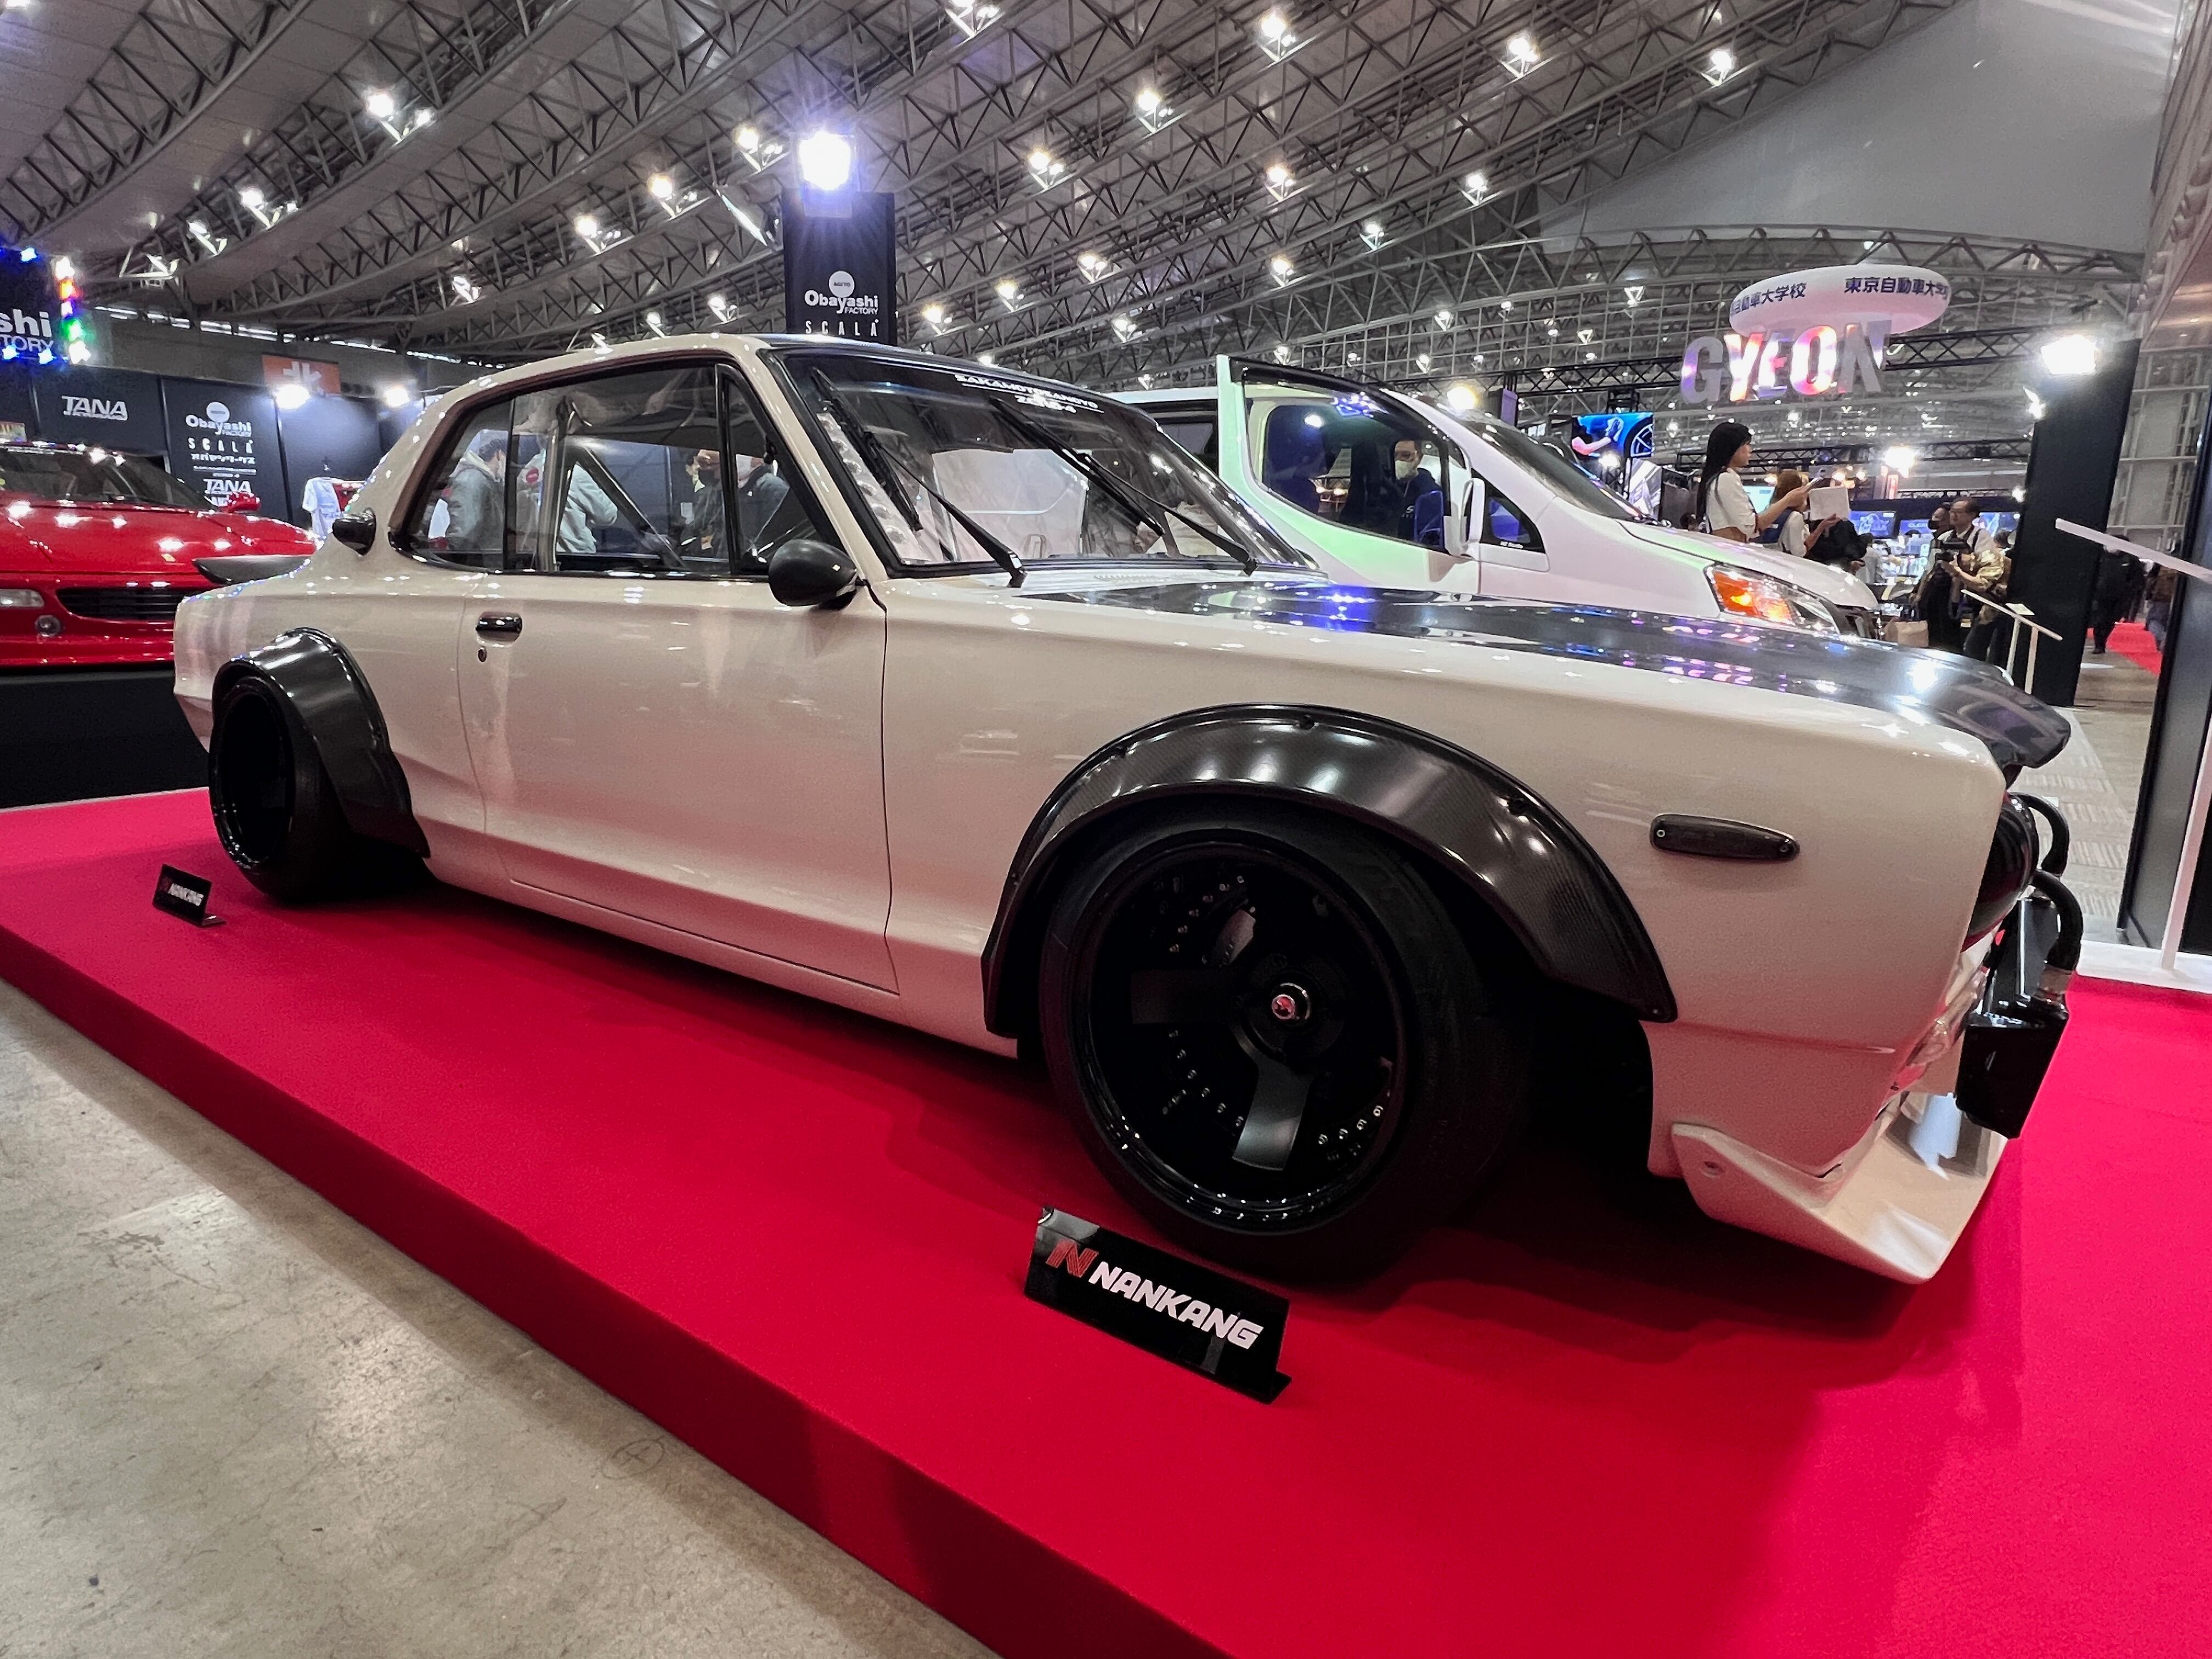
222 440
839 275
105 407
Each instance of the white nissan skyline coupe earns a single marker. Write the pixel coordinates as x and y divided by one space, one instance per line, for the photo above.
969 699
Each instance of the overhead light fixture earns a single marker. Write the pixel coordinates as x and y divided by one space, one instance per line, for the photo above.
1505 305
653 321
1010 291
719 305
1899 459
396 395
197 230
987 359
825 160
381 105
661 186
1125 328
1372 234
587 226
1421 360
1475 187
934 314
1281 269
1352 356
1093 265
65 270
466 292
2070 356
1583 335
292 394
754 148
1146 382
1280 181
1633 294
1520 55
1152 109
1443 319
250 195
1720 65
970 18
1551 331
600 343
1045 168
1461 399
1282 354
1275 36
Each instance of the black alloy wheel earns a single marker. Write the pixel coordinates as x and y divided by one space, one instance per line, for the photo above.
1275 1040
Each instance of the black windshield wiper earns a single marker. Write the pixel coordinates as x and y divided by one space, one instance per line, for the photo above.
1128 496
881 462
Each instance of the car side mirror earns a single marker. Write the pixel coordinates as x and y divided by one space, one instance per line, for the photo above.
355 530
811 574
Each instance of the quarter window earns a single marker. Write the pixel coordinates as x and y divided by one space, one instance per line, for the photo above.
1504 525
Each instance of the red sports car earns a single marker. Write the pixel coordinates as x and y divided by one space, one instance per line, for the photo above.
97 549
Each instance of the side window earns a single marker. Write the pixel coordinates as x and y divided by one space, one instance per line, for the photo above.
1504 525
461 518
764 508
1353 462
1198 433
619 476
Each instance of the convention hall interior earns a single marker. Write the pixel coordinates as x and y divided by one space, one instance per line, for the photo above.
916 828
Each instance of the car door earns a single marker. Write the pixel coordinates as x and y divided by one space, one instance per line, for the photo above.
1329 470
654 734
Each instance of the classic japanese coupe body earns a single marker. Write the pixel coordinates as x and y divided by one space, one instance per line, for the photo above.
969 700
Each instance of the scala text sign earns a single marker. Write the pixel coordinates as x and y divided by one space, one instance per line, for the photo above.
222 440
839 267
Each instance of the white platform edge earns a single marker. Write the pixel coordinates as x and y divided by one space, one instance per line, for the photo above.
2135 965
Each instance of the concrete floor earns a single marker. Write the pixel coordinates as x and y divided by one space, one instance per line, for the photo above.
233 1422
2095 779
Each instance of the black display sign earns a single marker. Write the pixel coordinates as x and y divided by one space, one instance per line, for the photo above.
222 440
185 895
1204 1321
30 311
105 408
839 269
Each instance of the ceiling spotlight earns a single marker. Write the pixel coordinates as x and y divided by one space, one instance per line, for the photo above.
1505 305
1146 382
1041 162
381 105
748 139
1152 109
251 195
1275 36
1010 291
1475 186
2069 355
292 394
1583 335
1461 399
1280 181
587 226
1093 265
1421 360
987 360
1125 328
719 305
1899 459
825 160
464 291
396 395
1521 54
661 186
1281 268
934 314
198 227
1720 65
1372 234
1551 331
653 321
64 270
1282 354
1443 317
1633 294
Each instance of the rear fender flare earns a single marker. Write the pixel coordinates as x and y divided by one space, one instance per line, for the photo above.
1518 857
330 698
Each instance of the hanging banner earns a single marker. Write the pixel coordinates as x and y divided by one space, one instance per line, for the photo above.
222 440
29 309
839 275
1814 362
103 408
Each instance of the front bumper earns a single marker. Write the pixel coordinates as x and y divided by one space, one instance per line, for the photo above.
1899 1202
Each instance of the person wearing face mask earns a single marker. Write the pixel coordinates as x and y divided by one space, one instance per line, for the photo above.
476 498
761 494
1421 510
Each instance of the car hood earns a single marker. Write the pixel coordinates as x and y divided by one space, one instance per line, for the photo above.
1953 691
133 540
1822 581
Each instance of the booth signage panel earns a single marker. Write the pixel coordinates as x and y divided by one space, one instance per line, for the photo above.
222 438
1900 298
322 378
29 308
105 407
839 264
1203 1321
1816 361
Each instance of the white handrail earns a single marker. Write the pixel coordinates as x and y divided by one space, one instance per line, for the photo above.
2016 614
2200 800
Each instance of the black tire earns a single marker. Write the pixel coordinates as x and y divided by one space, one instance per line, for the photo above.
1330 978
275 809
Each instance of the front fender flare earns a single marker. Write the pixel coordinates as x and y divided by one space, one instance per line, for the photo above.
1528 865
331 697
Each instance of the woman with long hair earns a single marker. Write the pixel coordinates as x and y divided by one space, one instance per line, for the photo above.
1723 506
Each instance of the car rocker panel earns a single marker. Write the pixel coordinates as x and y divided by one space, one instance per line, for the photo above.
995 797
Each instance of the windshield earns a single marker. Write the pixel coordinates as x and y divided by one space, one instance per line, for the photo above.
64 475
950 451
1549 466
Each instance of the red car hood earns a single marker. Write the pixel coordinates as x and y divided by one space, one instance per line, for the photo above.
114 539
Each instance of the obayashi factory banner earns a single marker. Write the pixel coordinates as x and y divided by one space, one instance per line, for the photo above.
222 438
838 276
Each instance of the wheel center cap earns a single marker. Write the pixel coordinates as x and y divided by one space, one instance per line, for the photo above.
1290 1005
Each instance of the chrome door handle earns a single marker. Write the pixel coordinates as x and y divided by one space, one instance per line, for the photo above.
500 625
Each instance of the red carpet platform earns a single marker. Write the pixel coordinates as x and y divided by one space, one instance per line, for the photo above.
1583 1421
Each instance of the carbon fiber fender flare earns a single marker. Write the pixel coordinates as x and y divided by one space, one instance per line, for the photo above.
1528 865
330 697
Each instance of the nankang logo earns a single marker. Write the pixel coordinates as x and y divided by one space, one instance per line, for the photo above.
841 298
95 409
1162 1299
217 420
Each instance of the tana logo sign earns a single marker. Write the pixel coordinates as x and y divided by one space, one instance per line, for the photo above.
217 420
1162 1299
1811 362
77 408
842 299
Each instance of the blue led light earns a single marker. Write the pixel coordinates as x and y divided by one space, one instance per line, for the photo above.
28 255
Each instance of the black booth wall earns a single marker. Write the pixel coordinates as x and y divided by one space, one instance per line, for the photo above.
334 437
113 408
